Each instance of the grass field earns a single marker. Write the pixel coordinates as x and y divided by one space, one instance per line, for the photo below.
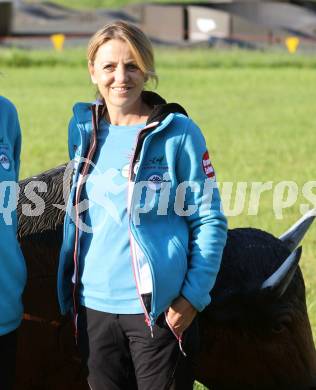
257 111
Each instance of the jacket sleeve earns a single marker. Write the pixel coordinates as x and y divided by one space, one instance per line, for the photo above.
207 225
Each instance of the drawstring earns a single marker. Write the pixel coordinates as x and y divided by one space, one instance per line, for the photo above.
179 338
181 347
76 327
151 331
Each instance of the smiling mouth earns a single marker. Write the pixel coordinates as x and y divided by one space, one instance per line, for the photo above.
121 89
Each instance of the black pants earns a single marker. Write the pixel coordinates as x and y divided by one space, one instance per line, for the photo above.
7 360
120 353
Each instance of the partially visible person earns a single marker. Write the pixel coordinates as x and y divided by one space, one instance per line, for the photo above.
12 265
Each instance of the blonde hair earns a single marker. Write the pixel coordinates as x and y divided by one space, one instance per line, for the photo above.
138 42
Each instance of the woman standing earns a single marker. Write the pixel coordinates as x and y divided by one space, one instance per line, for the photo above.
12 266
144 233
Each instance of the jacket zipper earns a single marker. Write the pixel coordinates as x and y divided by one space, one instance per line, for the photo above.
148 319
81 177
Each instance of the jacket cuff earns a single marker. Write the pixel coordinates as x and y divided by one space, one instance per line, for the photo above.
195 299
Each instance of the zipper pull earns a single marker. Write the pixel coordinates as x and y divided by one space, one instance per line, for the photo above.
151 331
149 321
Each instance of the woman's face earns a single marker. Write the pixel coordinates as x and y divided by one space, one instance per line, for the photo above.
117 75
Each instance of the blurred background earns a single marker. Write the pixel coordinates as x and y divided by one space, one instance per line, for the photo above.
220 23
244 71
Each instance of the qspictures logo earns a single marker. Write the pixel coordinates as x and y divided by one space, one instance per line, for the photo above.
158 194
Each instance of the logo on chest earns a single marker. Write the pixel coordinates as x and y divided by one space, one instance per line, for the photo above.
155 181
4 161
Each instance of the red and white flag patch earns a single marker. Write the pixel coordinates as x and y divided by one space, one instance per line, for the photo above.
207 166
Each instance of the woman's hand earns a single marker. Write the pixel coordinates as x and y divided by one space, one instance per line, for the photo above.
180 315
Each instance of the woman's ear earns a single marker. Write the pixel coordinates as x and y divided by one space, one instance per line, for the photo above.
91 71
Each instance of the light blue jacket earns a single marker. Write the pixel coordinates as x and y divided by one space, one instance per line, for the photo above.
183 252
12 265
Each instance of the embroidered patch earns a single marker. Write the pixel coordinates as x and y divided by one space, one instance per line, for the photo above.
4 161
154 182
207 166
156 160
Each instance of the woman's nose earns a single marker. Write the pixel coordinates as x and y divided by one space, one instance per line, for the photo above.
121 74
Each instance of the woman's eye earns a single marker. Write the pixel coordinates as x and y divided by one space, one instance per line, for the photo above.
132 67
108 67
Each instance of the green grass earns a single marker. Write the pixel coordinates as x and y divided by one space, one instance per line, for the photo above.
257 111
166 57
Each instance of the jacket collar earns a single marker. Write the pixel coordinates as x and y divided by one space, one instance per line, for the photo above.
160 108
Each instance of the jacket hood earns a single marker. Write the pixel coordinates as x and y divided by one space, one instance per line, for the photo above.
161 109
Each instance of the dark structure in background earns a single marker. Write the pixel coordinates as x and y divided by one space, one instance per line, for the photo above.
6 8
253 23
246 23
